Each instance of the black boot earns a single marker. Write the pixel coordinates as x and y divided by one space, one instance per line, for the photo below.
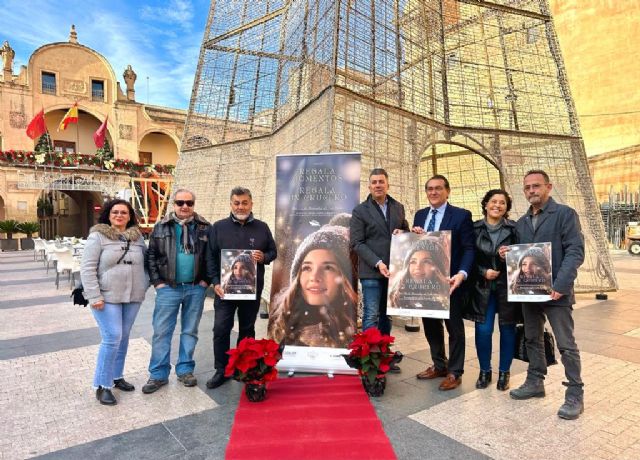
122 384
217 380
105 396
483 379
503 381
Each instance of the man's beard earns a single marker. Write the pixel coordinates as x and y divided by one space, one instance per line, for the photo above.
242 217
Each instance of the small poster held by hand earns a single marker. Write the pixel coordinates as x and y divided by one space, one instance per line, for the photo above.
419 282
529 272
238 274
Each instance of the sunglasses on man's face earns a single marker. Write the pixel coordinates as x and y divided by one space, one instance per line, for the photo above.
181 203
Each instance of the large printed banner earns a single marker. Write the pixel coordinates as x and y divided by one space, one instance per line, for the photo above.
419 282
313 292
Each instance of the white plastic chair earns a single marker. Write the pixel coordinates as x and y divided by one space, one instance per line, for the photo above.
66 263
78 249
38 248
50 249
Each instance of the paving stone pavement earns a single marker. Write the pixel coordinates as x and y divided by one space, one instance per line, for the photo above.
47 407
531 429
51 407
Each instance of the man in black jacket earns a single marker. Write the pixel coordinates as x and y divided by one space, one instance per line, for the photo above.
177 268
238 231
372 223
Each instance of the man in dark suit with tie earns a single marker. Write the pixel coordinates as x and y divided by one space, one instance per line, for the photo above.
440 215
372 223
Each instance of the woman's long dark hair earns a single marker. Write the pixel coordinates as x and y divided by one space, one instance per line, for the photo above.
106 211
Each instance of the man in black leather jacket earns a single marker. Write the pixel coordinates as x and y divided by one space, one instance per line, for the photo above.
178 270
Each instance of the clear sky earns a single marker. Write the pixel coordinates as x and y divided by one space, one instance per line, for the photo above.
160 39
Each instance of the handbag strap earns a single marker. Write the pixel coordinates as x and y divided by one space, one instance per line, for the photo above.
125 252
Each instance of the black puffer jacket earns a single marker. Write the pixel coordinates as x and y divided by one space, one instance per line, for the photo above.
162 252
486 258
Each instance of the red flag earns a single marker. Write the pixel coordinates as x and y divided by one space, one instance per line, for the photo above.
37 126
99 135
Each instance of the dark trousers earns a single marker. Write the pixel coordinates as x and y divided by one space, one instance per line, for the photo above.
224 314
561 320
434 332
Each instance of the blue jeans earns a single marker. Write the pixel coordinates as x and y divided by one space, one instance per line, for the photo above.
484 334
114 321
168 303
374 299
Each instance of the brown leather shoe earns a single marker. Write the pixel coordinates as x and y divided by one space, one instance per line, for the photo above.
450 382
432 373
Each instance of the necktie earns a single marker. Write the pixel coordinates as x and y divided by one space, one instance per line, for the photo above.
432 223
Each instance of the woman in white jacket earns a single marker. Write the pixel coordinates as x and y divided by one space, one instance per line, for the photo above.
114 282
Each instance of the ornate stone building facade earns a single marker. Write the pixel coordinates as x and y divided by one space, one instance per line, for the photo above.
599 39
57 76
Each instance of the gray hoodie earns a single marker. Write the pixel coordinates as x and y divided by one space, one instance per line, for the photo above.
105 279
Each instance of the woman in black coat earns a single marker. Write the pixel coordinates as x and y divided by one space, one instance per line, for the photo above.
489 287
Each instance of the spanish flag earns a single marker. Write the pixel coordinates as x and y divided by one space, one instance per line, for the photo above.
70 117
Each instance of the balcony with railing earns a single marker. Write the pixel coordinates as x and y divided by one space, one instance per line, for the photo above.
97 95
48 88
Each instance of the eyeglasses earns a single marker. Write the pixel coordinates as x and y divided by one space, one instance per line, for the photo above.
120 213
181 203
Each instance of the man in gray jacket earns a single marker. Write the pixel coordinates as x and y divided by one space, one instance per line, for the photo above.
548 221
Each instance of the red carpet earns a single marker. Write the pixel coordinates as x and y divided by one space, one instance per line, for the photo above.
309 418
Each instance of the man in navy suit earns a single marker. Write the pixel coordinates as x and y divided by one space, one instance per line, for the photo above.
443 216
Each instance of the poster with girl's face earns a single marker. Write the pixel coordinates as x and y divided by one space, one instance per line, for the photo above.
238 274
529 272
419 282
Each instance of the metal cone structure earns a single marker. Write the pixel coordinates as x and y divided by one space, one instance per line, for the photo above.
475 90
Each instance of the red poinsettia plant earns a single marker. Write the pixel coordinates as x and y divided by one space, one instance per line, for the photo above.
254 360
371 354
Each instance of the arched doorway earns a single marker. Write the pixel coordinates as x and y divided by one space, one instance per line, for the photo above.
470 174
68 213
2 213
158 148
78 137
